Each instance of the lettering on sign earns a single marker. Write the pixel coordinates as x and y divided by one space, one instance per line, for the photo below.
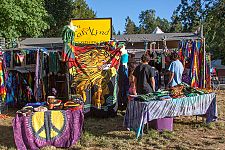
92 31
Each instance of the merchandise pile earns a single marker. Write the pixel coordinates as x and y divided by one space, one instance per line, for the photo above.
179 91
52 103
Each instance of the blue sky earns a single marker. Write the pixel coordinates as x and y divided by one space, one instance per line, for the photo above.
118 10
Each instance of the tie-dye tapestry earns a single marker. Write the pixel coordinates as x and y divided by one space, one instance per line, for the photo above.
94 70
193 51
2 81
41 129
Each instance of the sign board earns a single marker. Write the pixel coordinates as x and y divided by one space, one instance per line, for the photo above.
92 31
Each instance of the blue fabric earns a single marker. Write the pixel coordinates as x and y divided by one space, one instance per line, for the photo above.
124 58
177 68
139 113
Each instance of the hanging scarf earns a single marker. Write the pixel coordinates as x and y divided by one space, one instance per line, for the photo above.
194 66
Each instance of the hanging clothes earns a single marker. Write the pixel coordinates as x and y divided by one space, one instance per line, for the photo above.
194 66
53 62
37 76
10 89
2 81
193 51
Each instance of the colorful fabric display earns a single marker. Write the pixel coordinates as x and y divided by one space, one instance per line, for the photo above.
193 51
93 67
2 81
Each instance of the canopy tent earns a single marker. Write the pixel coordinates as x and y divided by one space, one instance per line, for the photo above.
157 31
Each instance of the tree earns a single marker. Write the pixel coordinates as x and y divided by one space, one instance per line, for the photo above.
25 18
113 31
60 12
176 25
130 27
82 10
214 27
163 24
191 14
147 21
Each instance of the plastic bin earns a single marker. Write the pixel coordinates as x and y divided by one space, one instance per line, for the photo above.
162 124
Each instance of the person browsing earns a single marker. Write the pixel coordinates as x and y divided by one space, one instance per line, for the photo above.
176 70
144 77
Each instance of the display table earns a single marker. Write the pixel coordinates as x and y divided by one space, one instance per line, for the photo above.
61 128
139 113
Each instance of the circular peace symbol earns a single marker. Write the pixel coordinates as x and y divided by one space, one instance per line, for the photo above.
48 125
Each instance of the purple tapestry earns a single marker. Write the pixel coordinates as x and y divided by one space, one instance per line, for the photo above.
57 128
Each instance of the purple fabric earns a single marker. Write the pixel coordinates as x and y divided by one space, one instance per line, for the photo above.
26 138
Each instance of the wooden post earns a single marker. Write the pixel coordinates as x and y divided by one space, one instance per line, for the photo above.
204 69
204 57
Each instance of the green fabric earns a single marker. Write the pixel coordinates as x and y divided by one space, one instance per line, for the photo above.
53 62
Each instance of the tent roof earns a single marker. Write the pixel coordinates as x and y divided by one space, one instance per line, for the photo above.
157 31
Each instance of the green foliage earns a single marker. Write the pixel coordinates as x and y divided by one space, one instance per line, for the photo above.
214 27
60 13
163 24
148 22
25 18
176 25
113 31
130 27
190 14
82 10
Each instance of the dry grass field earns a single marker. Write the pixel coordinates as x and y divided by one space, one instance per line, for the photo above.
109 133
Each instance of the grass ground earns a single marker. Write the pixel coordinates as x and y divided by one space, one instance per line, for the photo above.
109 133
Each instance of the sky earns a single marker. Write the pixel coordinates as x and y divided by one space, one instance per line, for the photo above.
118 10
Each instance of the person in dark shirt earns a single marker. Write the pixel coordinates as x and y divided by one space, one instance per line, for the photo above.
144 77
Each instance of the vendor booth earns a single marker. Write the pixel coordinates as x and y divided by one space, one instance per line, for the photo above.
154 107
89 75
53 89
192 97
33 80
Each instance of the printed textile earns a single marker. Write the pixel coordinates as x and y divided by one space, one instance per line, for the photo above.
94 68
139 113
56 128
2 81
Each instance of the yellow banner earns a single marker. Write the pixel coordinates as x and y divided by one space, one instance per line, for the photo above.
92 31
